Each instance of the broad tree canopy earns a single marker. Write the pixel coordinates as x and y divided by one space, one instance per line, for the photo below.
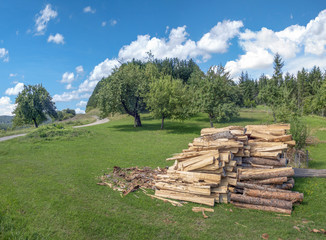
34 104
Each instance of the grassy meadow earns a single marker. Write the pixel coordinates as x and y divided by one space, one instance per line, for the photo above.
48 186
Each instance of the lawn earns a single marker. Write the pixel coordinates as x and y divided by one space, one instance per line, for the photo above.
48 187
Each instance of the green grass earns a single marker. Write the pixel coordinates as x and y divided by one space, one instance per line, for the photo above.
48 188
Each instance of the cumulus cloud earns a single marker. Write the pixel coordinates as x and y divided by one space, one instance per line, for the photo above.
179 45
58 38
79 69
88 9
217 39
100 71
4 54
15 90
43 18
79 111
69 96
6 106
81 104
295 44
68 77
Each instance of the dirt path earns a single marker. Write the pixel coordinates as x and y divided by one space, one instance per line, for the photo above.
98 121
11 137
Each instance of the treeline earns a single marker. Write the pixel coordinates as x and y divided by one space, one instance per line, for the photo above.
178 89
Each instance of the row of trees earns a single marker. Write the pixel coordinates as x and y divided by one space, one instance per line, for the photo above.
168 89
287 95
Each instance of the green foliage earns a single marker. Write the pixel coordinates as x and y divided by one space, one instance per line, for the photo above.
318 103
56 132
300 132
34 104
168 98
65 114
123 91
217 95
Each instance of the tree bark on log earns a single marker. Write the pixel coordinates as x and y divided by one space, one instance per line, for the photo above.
261 201
289 196
265 161
263 208
279 180
266 173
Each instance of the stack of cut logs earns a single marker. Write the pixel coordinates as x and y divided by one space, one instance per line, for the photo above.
246 166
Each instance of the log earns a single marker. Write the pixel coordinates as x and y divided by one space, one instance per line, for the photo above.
265 161
200 209
279 180
289 196
243 185
266 173
195 177
207 157
303 172
261 201
203 163
220 189
224 198
263 208
272 155
200 190
185 197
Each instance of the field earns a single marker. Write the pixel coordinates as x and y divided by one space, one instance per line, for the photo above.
48 187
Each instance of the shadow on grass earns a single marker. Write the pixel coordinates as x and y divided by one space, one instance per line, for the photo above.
188 127
173 128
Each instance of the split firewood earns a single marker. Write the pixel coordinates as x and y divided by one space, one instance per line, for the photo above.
199 209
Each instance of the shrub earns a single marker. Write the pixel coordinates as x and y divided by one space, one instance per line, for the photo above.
299 132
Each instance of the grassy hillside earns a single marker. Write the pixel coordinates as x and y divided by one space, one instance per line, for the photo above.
48 187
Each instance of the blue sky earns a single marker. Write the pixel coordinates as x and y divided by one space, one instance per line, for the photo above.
68 46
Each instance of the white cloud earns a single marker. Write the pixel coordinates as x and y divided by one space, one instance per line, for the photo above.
69 96
15 90
299 46
104 69
179 45
13 75
81 104
79 111
88 9
6 106
4 54
103 23
217 39
113 22
43 18
58 38
68 77
79 69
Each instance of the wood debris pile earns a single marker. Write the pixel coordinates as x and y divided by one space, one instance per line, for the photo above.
246 166
127 180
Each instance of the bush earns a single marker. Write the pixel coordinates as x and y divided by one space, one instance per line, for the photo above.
56 131
299 132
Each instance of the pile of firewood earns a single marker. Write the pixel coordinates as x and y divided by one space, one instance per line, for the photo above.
244 166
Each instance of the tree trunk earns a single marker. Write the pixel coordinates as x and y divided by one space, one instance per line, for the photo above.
288 196
137 122
162 124
35 123
211 121
274 117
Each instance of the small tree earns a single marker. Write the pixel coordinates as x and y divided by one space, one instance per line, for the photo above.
34 104
217 96
123 91
168 98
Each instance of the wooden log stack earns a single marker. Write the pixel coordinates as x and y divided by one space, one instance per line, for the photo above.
244 166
